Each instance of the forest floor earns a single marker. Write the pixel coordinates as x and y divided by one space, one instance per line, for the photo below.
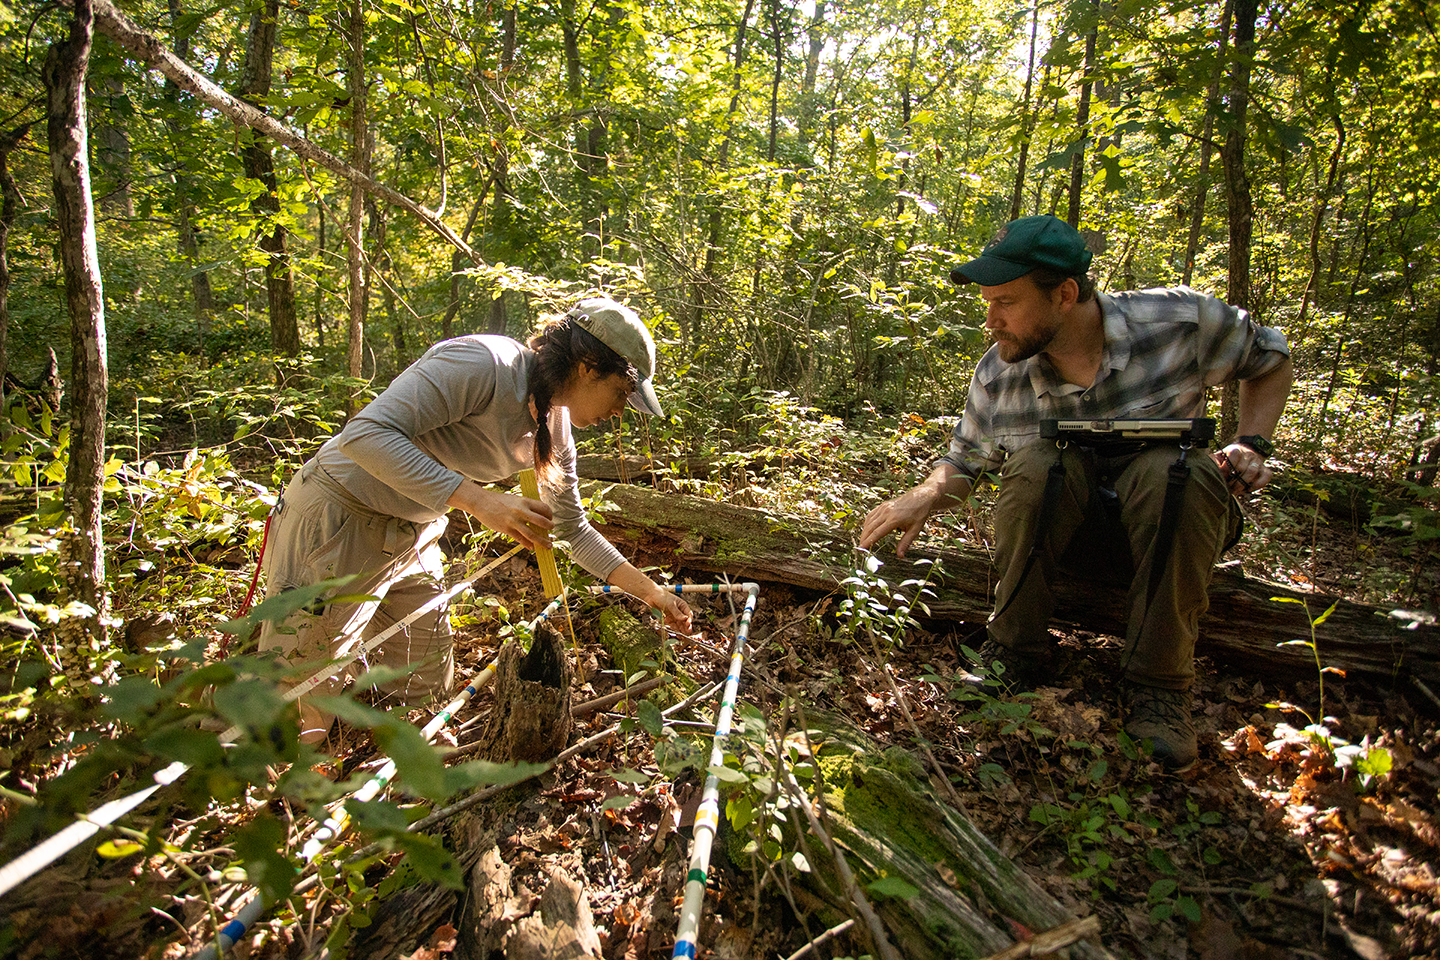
1263 849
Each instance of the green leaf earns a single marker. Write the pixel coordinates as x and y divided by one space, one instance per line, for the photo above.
280 606
727 774
1376 762
378 816
131 698
740 812
1161 889
118 847
259 844
896 888
626 775
431 860
254 704
486 773
617 802
198 748
418 764
380 675
650 717
1326 615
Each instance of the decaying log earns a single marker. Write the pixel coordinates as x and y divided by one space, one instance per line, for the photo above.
563 929
531 719
880 809
1243 626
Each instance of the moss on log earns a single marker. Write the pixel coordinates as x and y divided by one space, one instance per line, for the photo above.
881 812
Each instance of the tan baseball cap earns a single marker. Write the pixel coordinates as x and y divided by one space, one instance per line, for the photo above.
622 330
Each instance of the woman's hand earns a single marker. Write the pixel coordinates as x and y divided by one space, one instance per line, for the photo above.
676 611
519 518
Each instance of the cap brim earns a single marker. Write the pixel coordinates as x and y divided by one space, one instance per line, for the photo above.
989 271
643 399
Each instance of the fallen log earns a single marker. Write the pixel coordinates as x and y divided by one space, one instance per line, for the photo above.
940 886
1243 627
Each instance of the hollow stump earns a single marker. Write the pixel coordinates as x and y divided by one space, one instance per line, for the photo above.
531 718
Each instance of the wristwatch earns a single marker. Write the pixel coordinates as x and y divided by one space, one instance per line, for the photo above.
1257 443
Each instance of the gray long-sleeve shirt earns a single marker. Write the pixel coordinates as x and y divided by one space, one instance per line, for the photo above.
461 410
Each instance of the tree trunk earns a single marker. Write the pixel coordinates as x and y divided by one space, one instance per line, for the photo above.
1202 175
1322 201
82 548
187 239
9 209
1082 125
1026 122
1342 339
360 160
715 224
1237 191
112 151
259 165
531 718
1243 625
447 328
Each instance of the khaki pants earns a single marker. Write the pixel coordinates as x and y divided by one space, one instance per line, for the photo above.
1094 534
322 532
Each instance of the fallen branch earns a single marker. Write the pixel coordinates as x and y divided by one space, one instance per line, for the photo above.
819 941
1085 928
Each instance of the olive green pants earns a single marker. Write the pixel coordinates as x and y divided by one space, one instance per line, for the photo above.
322 532
1103 527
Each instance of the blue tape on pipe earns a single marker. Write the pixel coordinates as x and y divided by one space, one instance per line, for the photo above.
684 949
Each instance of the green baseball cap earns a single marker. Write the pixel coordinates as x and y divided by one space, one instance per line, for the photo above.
622 330
1024 245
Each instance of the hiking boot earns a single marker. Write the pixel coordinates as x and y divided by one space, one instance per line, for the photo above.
1162 717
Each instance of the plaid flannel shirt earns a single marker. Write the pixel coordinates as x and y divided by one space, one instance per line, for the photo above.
1163 349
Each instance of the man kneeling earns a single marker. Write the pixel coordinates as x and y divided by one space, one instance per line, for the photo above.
1063 351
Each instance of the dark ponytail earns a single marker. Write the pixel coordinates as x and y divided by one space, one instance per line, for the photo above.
560 347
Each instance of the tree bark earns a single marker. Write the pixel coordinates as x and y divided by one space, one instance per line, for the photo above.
1322 201
1202 174
881 811
82 548
1237 191
360 160
1082 124
259 165
153 54
1242 627
1026 123
447 327
9 209
187 238
1342 339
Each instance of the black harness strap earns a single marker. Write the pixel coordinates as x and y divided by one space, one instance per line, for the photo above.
1054 483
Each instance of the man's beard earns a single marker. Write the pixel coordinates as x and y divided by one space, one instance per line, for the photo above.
1014 350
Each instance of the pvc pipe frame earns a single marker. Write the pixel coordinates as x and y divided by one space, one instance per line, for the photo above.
334 826
707 817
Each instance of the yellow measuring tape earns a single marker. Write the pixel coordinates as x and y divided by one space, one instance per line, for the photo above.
549 573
